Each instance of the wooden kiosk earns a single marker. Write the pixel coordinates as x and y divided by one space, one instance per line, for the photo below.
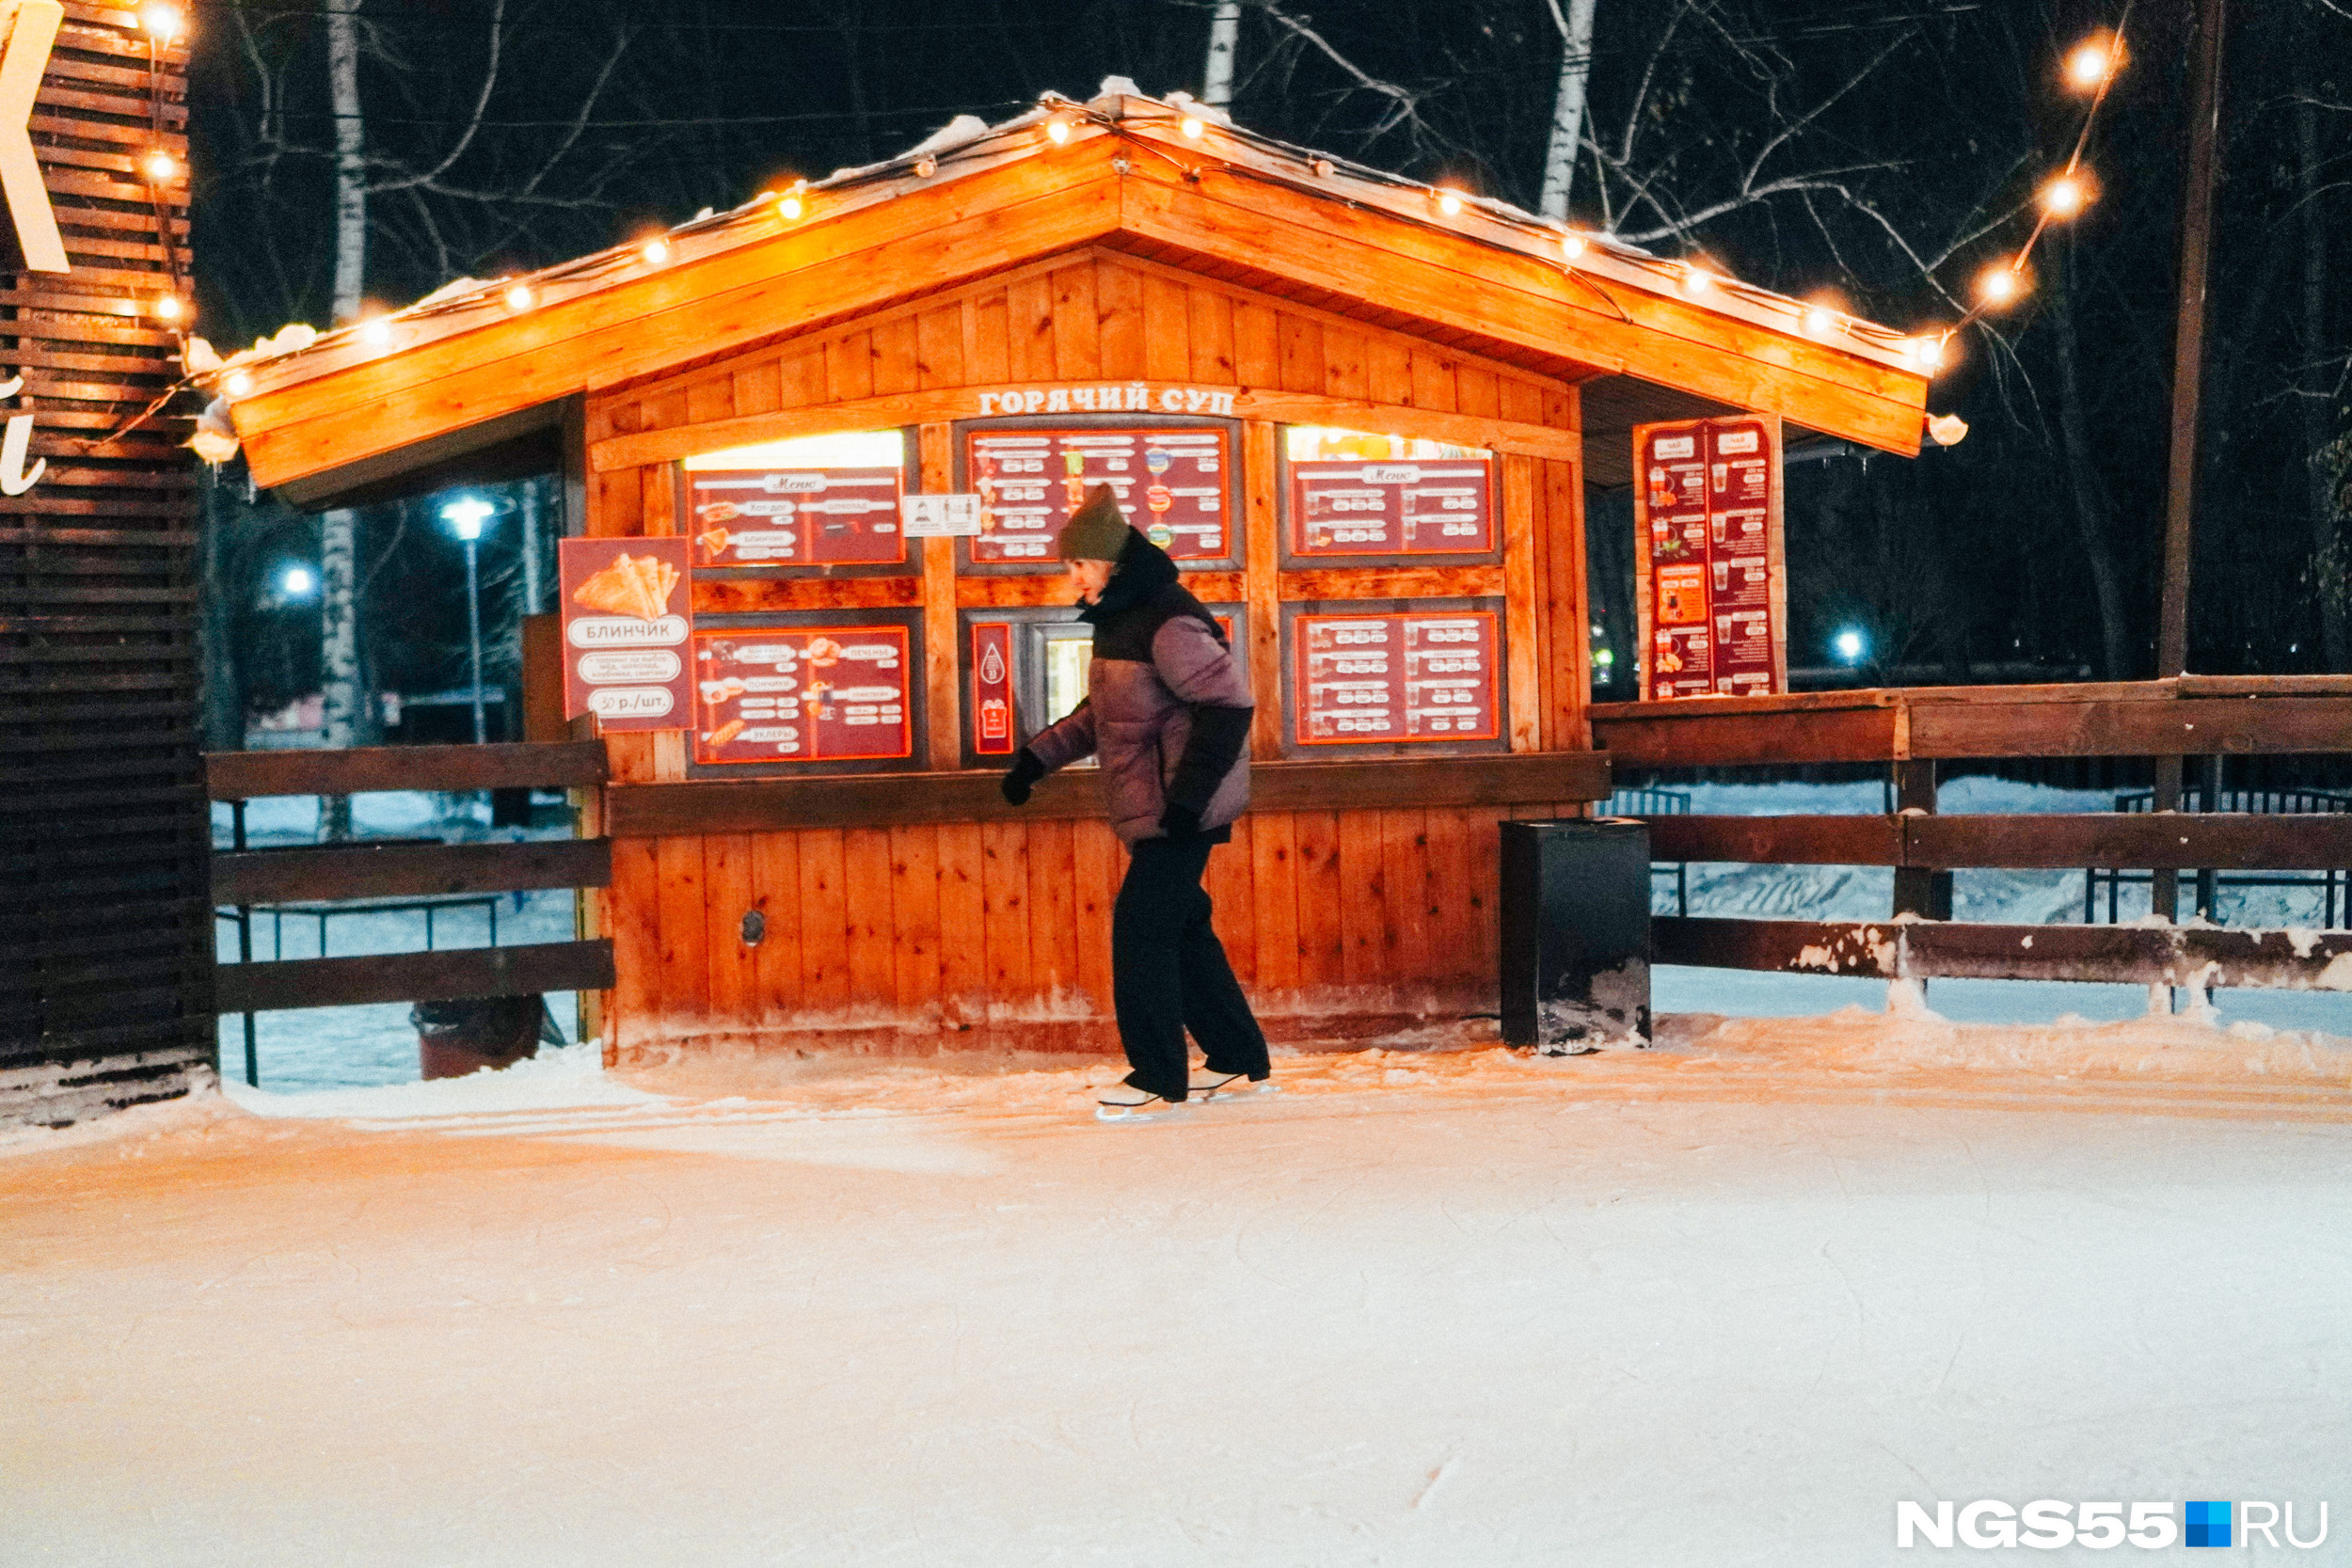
1363 414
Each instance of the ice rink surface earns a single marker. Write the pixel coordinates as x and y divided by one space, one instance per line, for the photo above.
1723 1303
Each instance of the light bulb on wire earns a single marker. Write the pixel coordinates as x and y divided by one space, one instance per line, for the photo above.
2000 283
163 22
1449 201
1057 128
1193 127
161 165
2066 196
2093 62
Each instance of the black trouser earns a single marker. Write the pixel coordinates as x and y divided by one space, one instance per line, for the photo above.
1168 972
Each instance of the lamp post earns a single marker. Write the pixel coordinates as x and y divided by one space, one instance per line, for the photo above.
465 516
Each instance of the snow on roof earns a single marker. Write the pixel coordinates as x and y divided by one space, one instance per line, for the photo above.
966 145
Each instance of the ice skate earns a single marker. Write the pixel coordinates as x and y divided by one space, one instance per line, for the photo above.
1125 1102
1231 1086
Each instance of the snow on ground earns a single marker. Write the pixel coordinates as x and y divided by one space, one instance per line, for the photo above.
1724 1302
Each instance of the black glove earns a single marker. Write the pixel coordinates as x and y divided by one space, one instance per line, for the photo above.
1025 770
1180 821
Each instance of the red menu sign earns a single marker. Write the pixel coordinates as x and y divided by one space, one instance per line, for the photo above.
1425 507
627 604
1172 484
1708 510
991 689
796 516
1387 678
802 694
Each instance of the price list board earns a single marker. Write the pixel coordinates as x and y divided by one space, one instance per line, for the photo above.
1413 676
796 518
803 694
1442 506
1712 591
626 615
1175 485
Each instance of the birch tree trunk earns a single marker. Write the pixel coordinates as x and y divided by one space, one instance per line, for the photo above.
1224 38
2335 636
1567 104
528 506
349 709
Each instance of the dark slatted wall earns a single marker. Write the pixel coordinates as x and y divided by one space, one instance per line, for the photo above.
105 968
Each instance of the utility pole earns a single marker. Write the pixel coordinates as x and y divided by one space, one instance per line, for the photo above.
2188 365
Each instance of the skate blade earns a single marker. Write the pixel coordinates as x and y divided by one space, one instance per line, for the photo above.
1238 1090
1135 1113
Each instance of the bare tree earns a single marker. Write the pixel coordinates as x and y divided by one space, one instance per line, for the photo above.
1224 42
1567 105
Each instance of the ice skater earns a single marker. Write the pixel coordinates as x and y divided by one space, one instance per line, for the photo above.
1168 715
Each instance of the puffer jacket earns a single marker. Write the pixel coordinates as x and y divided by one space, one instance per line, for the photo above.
1166 710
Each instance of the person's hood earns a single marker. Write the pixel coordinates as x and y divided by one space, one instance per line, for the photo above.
1144 569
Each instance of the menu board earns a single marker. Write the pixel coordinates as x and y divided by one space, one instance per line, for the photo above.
1415 676
1172 483
827 500
626 618
802 694
991 689
1708 506
1353 493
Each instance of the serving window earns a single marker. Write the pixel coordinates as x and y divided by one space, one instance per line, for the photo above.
1393 678
1356 497
812 506
1025 669
819 691
1177 480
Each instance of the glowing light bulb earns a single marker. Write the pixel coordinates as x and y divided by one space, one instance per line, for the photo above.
655 252
926 167
1193 127
239 383
792 204
1057 128
2065 195
1818 320
2093 62
375 332
1572 245
168 307
1926 353
518 297
296 583
1698 279
162 21
161 165
1851 644
1449 201
1999 283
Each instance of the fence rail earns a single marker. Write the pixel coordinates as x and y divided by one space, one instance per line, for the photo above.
2131 955
2183 841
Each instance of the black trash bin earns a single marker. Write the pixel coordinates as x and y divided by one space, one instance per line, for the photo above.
1575 934
454 1038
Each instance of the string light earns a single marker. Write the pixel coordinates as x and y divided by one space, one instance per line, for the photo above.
375 332
1193 127
793 203
655 252
1057 128
1927 353
239 383
518 297
1819 320
2065 195
1449 201
2094 62
168 307
163 22
161 165
1572 245
1999 283
926 167
1696 279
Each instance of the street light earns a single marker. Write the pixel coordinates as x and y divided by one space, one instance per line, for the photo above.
465 516
295 583
1849 644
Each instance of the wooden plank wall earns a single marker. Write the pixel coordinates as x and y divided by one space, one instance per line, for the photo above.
1346 920
106 948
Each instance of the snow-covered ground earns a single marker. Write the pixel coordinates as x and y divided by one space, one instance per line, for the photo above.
1726 1301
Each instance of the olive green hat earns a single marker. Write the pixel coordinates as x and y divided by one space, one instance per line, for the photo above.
1097 530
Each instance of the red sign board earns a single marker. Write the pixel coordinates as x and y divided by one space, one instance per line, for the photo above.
796 516
802 694
991 689
626 613
1427 506
1380 679
1709 514
1172 483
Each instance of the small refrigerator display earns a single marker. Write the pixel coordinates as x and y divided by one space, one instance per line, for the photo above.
1027 669
816 504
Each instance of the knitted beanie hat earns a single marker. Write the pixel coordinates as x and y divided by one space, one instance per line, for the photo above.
1097 530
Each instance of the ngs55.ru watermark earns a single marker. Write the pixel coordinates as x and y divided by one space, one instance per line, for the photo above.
2049 1524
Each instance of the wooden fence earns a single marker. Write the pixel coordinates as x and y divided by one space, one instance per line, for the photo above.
246 877
1911 730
